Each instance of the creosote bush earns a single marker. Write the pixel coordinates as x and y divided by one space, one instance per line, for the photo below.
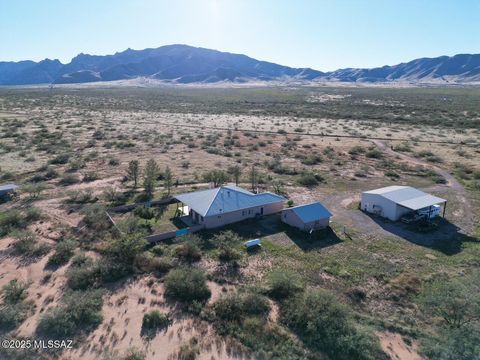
325 324
79 311
187 285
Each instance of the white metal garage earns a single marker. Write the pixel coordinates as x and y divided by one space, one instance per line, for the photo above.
392 202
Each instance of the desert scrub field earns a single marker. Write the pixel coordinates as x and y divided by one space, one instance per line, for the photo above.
68 271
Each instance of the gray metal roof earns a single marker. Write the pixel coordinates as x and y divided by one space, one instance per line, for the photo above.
8 187
225 199
407 196
311 212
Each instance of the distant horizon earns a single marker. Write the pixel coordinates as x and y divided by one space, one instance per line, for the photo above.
237 53
321 34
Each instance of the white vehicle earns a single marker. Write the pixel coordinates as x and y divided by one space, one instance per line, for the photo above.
430 212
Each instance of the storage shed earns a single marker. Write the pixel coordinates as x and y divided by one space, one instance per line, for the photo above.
308 217
393 202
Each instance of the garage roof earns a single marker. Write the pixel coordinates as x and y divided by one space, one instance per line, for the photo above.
311 212
407 196
225 199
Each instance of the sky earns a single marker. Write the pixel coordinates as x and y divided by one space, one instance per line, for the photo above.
321 34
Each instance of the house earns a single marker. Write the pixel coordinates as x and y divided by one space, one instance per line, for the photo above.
307 217
226 205
7 189
393 202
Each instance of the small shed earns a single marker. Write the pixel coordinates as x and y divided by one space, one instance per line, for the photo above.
308 217
7 189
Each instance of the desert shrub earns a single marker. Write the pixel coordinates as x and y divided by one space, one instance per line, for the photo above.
85 273
187 285
76 164
283 284
91 176
310 179
14 292
64 250
188 251
229 254
131 354
144 212
324 324
312 159
81 197
80 311
234 307
155 320
453 344
60 159
374 154
356 150
391 174
189 351
11 315
95 218
125 248
17 219
147 262
69 179
26 244
455 301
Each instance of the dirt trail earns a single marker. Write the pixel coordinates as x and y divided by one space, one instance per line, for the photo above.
466 210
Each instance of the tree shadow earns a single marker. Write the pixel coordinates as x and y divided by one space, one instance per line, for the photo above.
440 234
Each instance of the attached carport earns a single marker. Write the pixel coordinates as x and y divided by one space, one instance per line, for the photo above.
423 202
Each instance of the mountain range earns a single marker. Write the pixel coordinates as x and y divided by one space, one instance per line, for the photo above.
186 64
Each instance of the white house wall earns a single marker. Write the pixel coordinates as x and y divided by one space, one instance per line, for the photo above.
239 215
291 218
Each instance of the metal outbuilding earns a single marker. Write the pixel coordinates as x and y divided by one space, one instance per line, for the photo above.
393 202
308 217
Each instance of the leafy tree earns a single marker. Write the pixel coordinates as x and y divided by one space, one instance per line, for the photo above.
150 177
235 171
168 179
217 177
133 172
14 292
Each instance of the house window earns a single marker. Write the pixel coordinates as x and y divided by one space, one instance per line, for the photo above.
201 218
249 212
243 212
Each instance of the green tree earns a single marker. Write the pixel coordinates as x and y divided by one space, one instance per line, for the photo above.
168 179
217 177
235 171
133 172
150 177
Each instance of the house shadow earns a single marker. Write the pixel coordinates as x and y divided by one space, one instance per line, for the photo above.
272 225
315 241
441 235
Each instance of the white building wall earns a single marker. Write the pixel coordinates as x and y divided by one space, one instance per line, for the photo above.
239 215
377 204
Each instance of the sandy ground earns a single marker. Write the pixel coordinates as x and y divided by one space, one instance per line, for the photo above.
395 347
